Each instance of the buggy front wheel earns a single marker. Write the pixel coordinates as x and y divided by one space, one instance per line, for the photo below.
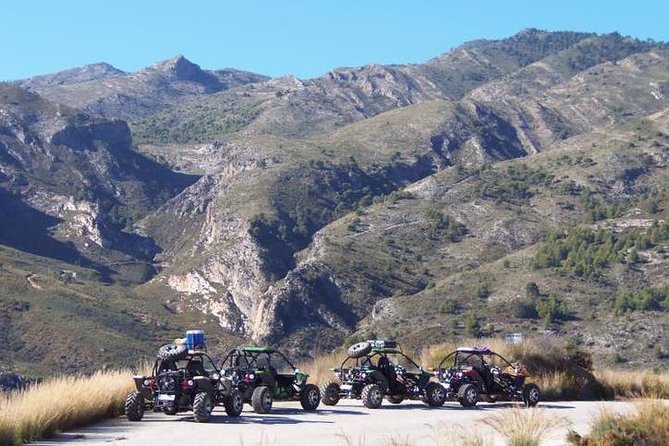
310 397
202 407
372 396
531 395
234 403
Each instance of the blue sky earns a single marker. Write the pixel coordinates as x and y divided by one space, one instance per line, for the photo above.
304 38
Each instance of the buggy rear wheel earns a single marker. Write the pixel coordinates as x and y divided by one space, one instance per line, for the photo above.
261 399
435 394
330 393
468 395
134 406
202 407
531 395
234 403
310 397
372 396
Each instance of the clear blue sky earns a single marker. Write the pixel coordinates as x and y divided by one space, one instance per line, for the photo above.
301 37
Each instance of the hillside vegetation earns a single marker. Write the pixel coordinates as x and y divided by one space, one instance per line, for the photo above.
509 185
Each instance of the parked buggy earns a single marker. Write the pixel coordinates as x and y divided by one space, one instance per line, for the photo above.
181 381
264 374
467 373
379 368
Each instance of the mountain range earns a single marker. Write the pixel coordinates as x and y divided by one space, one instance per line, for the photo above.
508 185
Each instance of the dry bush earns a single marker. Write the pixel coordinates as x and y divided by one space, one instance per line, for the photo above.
524 427
62 403
635 384
447 434
320 368
649 426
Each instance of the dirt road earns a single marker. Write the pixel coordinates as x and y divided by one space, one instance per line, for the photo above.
347 424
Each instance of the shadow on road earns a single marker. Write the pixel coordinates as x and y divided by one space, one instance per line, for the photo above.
292 411
478 407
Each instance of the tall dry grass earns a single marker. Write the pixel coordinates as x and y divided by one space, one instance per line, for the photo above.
62 403
524 427
320 368
649 426
635 384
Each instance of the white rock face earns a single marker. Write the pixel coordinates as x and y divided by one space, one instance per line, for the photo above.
80 218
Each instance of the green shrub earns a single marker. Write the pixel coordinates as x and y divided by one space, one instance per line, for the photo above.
551 309
481 291
450 306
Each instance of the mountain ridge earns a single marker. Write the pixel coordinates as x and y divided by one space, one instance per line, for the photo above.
381 199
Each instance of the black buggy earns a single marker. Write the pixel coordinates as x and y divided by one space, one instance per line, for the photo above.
375 369
180 381
264 374
469 372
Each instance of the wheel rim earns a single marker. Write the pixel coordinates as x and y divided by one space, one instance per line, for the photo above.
438 394
267 400
376 396
534 395
238 403
471 395
313 397
207 405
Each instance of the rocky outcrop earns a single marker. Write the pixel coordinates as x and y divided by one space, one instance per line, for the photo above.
102 90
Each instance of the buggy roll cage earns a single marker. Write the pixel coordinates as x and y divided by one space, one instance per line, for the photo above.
381 352
251 355
172 363
468 353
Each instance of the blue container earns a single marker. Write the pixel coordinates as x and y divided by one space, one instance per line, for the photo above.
195 339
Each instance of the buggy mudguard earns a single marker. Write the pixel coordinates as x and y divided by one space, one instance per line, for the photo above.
226 385
202 384
141 388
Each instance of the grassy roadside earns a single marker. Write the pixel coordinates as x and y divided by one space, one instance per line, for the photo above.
648 426
62 403
67 402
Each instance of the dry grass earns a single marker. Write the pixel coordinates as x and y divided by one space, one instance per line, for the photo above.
320 368
447 434
524 427
649 426
62 403
635 384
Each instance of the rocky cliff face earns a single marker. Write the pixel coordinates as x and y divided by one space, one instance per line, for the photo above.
81 182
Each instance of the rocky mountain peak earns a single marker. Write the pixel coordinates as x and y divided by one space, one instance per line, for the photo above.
91 72
179 67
